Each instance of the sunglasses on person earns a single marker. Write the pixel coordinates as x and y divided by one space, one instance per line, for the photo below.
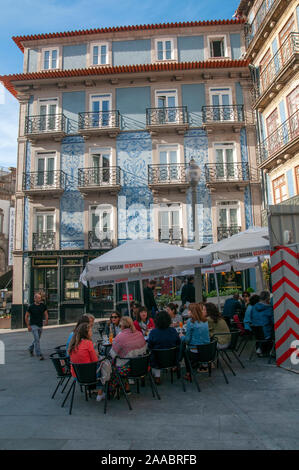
114 316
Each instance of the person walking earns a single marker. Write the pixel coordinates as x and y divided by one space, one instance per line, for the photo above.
34 317
188 292
149 298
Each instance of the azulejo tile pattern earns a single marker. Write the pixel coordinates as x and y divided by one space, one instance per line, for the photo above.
134 154
26 202
247 194
72 203
196 147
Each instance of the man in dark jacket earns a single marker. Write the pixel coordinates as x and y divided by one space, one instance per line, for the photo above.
262 315
188 292
231 307
149 298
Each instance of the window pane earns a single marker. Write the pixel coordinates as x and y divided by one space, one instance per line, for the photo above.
163 157
50 223
175 218
233 216
39 223
103 54
160 50
106 221
94 220
46 59
95 55
222 217
173 156
54 59
168 49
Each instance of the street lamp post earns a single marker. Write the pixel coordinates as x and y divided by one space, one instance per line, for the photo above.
193 175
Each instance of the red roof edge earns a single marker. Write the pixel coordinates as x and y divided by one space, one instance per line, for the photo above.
92 71
20 39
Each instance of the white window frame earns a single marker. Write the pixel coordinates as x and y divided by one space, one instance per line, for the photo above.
217 37
163 40
46 156
225 146
213 91
100 150
168 148
171 207
50 49
44 214
170 92
47 102
228 205
98 210
99 45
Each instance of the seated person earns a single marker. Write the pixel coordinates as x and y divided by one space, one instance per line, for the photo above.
143 322
231 306
85 318
128 343
134 309
197 332
81 351
113 324
262 315
254 299
217 324
162 337
176 318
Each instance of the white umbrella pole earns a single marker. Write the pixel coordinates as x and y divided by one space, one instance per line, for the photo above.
217 289
128 300
141 288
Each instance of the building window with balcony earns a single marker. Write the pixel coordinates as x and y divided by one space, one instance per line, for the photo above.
48 114
288 28
272 122
164 49
229 219
44 235
166 104
169 224
169 163
217 46
297 178
280 190
225 159
100 107
221 102
101 164
100 227
50 59
45 164
100 54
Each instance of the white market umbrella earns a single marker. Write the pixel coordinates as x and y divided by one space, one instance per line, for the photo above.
140 259
253 242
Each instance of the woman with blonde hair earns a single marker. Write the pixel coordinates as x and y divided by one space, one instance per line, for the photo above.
127 344
197 330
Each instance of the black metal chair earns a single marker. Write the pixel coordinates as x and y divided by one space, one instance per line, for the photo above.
206 354
139 368
168 359
245 336
231 347
86 377
61 364
61 350
259 337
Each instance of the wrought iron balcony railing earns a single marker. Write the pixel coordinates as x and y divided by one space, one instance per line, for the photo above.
283 136
45 123
258 20
99 176
279 61
43 241
220 172
161 116
99 120
234 113
44 180
225 232
168 173
173 235
97 239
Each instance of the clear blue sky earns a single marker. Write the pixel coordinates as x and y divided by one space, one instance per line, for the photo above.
21 17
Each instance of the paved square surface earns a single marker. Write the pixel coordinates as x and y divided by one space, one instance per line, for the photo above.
258 409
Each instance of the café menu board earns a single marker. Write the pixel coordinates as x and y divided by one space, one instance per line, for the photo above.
44 262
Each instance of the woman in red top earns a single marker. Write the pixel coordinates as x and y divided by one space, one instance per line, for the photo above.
143 323
81 351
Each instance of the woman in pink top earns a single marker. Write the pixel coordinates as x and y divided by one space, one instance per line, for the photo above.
81 351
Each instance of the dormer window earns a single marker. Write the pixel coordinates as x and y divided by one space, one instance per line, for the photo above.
164 49
217 47
50 59
100 54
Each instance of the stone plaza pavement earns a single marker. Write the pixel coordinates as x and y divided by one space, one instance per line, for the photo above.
258 409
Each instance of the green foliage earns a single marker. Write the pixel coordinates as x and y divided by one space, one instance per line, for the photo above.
164 300
222 293
250 290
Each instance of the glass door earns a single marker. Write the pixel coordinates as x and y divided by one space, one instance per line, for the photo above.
169 161
101 107
166 101
221 102
48 115
45 170
169 224
45 283
225 163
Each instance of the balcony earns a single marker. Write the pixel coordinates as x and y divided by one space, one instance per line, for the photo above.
173 119
103 123
46 184
225 232
262 24
278 71
229 176
281 145
43 241
99 179
173 236
100 240
168 176
223 117
46 126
